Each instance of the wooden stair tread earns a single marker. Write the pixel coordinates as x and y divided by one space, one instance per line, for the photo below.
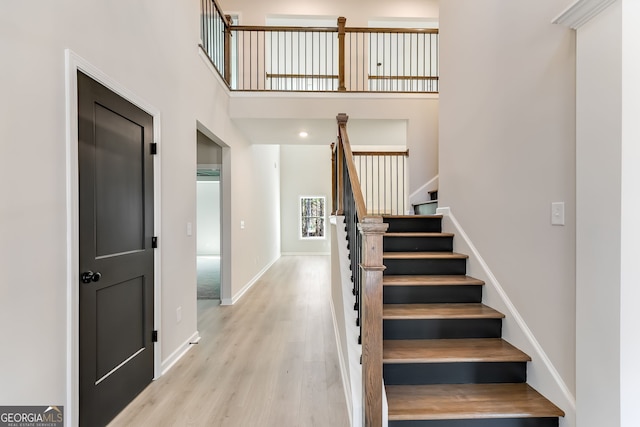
429 280
440 311
424 255
412 216
466 401
451 350
417 234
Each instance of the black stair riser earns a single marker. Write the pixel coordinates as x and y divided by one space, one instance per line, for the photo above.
491 422
454 373
418 225
415 329
425 266
432 294
420 244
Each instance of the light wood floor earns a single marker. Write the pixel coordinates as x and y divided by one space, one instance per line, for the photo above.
269 360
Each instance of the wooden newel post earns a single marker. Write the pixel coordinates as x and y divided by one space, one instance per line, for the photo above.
227 48
372 230
342 21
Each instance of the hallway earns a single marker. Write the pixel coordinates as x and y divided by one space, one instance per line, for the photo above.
269 360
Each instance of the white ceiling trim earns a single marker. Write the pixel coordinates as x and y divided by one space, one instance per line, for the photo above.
580 12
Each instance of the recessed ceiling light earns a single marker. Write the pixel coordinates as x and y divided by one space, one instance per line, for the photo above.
303 134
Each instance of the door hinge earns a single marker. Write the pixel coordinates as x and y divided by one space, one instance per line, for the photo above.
154 242
154 336
154 148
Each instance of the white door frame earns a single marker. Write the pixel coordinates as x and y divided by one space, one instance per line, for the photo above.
73 63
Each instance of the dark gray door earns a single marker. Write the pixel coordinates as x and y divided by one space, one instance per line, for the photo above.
116 255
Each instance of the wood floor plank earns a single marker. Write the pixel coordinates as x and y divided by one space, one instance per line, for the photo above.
440 311
451 350
424 255
429 280
258 361
464 401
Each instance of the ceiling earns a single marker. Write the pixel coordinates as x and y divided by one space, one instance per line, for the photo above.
322 131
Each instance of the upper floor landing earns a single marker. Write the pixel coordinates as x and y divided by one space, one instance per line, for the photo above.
338 58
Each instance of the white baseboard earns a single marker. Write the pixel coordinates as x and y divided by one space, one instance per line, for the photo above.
249 285
179 352
540 356
343 367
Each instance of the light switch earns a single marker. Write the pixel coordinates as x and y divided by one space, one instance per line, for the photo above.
242 225
189 229
557 213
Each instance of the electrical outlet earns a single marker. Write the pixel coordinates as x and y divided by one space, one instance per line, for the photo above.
557 213
178 314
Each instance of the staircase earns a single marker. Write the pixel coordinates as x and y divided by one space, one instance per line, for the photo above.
444 361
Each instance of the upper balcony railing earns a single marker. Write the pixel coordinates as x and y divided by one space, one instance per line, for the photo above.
312 59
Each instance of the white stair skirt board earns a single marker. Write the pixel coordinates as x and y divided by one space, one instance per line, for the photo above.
541 373
352 365
249 285
346 386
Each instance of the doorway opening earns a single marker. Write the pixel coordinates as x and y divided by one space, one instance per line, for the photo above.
209 201
208 231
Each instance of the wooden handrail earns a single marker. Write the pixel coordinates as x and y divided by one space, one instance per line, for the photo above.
334 29
392 30
285 28
217 6
361 207
382 153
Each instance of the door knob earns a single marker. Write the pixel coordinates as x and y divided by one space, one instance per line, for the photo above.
90 276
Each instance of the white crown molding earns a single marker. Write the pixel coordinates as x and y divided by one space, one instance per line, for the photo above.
580 12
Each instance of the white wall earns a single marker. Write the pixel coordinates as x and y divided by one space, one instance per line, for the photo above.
630 209
305 171
598 198
257 186
419 111
159 62
607 234
507 150
208 216
358 13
